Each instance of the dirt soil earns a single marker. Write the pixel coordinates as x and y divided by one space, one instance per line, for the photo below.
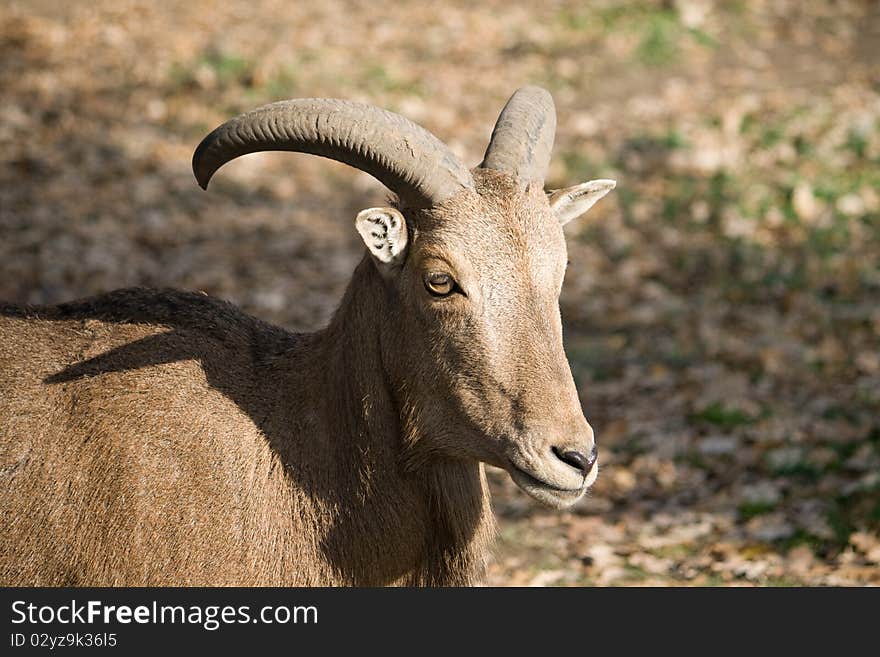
722 307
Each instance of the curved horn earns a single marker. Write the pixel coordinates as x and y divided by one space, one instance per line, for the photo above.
403 156
523 136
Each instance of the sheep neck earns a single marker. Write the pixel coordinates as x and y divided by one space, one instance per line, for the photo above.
430 525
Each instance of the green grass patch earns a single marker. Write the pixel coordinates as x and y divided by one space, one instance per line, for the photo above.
636 574
693 459
749 510
670 140
840 519
659 44
839 412
657 28
703 38
578 166
844 450
800 537
771 136
679 359
709 580
722 416
592 359
840 523
283 84
800 470
633 445
784 582
229 69
857 142
376 76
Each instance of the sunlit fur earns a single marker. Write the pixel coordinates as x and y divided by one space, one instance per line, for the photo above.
166 438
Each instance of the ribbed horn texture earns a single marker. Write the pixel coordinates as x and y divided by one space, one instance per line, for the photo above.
405 157
523 136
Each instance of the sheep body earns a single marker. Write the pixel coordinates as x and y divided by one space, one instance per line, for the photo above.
158 437
183 442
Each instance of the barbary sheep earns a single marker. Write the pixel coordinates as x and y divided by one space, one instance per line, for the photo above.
159 437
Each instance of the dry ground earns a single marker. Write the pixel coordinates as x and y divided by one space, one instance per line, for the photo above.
722 309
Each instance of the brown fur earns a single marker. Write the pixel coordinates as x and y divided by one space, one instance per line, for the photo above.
166 438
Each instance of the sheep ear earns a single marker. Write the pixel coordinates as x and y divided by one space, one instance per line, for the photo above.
384 232
572 202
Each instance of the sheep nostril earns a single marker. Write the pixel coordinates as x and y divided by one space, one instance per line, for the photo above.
578 460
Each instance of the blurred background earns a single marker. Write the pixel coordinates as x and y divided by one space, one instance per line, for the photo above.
722 306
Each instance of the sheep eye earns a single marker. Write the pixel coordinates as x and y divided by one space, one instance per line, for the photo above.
439 285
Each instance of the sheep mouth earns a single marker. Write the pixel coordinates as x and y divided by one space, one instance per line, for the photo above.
533 480
544 491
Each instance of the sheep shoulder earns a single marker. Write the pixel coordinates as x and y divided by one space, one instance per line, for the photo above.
143 407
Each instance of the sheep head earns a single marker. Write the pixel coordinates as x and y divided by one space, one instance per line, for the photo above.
472 263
